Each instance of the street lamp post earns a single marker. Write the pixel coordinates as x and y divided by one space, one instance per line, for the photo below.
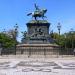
59 27
72 38
1 48
16 27
65 40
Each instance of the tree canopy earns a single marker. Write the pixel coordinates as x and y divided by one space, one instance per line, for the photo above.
9 38
65 40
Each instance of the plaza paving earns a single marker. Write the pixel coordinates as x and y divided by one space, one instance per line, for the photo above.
20 65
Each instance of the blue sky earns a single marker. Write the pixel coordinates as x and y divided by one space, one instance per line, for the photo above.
15 11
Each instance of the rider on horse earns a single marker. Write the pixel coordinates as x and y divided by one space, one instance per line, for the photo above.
38 12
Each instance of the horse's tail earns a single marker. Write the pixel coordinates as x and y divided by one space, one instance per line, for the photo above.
29 14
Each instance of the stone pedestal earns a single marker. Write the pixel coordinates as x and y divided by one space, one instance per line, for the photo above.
38 32
38 40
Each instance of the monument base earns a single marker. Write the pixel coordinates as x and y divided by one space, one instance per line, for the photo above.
37 49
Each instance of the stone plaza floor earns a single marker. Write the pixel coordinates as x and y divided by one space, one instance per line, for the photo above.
20 65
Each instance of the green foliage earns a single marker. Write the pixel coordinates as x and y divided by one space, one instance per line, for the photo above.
65 40
6 40
55 36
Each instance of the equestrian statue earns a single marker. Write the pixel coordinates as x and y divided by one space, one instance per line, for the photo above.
38 13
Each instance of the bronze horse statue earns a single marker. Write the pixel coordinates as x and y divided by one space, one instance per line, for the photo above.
38 13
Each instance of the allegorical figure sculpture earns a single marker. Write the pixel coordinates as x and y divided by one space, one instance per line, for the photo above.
38 13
